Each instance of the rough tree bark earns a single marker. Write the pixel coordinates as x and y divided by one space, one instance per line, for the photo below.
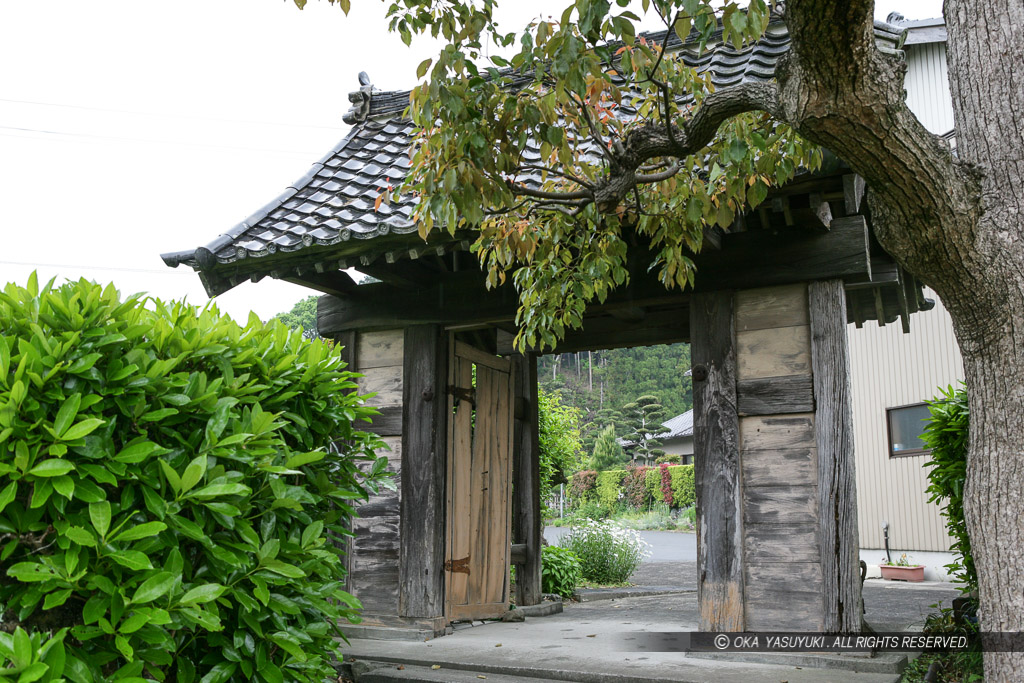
956 222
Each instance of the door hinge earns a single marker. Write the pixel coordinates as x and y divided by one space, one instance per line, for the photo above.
463 394
457 566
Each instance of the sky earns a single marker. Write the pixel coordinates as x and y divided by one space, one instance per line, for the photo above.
129 128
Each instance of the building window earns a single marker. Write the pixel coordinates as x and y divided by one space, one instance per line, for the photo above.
906 425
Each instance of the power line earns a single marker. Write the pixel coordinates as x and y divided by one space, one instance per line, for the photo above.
166 271
90 137
172 116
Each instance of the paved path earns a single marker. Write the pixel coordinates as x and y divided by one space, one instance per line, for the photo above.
666 546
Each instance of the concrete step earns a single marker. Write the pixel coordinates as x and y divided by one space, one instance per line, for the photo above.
391 670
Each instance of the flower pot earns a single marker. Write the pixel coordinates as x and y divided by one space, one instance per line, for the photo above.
894 573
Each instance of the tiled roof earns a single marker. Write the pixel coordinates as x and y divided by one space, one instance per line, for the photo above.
331 210
678 426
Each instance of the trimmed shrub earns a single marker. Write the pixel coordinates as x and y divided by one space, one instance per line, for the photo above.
634 487
683 492
582 486
946 435
608 484
608 553
560 571
169 482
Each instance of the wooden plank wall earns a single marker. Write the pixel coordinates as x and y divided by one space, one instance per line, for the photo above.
374 560
781 533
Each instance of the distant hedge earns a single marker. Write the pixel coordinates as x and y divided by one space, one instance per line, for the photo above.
605 487
168 487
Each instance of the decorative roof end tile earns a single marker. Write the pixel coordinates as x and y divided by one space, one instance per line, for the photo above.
360 100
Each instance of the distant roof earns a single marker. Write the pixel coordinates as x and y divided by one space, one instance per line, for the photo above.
329 218
680 425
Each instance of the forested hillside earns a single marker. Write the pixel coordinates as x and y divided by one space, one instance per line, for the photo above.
600 383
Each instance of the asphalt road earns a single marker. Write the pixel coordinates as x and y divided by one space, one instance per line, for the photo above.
666 546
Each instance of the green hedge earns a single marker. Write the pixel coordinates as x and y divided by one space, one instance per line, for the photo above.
609 484
168 487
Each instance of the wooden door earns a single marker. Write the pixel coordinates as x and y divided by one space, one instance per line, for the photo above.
479 485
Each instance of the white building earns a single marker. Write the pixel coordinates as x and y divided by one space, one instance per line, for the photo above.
894 373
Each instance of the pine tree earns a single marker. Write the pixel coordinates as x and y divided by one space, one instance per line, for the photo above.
608 453
644 417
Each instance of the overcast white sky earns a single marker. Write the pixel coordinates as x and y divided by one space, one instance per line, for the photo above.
129 128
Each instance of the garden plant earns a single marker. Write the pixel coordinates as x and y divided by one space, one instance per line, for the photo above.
173 486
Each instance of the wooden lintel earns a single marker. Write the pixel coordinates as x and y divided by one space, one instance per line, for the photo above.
629 314
747 260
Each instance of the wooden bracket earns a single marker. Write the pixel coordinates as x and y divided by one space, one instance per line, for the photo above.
457 566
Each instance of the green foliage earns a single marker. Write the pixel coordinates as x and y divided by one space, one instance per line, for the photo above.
608 553
169 486
953 667
32 657
609 487
608 452
684 493
560 571
559 442
302 317
565 243
946 435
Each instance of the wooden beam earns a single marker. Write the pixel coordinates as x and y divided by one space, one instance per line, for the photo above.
837 495
853 193
717 463
336 283
526 518
424 458
747 260
629 314
404 274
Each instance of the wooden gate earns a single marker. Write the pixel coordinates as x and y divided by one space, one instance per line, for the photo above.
479 483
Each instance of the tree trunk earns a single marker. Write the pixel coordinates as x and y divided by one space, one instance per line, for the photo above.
957 223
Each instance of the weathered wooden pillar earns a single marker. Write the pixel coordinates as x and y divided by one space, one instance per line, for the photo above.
424 459
837 494
526 516
716 462
777 535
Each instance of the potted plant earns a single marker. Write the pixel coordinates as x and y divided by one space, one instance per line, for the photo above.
901 569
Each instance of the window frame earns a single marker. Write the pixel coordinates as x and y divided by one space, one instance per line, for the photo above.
888 433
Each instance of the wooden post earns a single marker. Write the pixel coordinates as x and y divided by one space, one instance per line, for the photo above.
424 456
526 518
347 340
717 463
833 418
